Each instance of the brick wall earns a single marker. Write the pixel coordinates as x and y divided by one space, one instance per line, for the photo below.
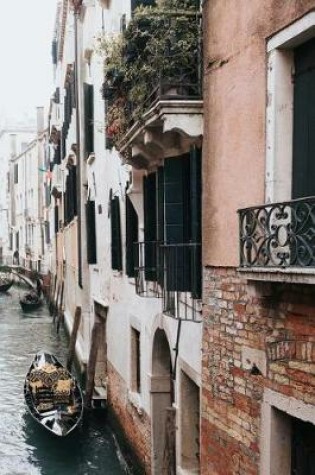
135 426
277 319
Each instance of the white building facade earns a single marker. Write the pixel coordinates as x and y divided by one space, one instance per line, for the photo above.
148 361
13 140
28 227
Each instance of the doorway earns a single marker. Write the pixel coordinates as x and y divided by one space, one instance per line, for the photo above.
162 412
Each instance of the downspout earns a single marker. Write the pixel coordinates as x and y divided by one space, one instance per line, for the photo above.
77 9
176 349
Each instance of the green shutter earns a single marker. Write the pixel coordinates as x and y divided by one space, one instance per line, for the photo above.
177 223
91 232
131 236
150 226
116 234
176 179
56 219
195 220
88 118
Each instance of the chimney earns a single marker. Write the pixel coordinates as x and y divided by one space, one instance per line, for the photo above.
13 145
40 120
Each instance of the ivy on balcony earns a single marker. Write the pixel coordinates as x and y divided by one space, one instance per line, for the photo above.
157 56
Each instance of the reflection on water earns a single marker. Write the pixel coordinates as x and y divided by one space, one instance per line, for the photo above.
25 447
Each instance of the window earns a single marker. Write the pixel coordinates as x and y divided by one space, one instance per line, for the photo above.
91 232
16 173
135 361
290 50
70 195
88 118
116 250
131 236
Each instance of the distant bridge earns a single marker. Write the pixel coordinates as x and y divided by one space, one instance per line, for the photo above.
19 271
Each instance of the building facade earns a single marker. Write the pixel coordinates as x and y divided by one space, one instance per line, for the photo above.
13 140
126 239
258 391
29 231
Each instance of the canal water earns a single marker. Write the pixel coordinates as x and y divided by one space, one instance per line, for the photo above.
25 447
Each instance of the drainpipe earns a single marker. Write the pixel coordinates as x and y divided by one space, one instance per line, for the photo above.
77 6
176 349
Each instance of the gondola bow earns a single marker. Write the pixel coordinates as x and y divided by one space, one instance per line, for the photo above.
52 395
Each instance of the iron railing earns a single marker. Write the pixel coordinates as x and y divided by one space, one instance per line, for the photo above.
278 234
173 272
182 280
147 269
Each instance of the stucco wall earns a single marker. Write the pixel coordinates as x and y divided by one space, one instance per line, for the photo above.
234 108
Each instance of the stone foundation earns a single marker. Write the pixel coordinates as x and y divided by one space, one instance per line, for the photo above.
135 424
255 336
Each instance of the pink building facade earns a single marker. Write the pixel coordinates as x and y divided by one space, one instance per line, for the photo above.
258 385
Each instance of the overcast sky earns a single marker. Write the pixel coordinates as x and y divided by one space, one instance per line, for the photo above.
26 78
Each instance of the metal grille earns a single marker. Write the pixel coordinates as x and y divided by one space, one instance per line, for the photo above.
182 280
147 269
278 234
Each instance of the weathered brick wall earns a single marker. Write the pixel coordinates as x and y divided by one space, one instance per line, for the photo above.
136 426
278 319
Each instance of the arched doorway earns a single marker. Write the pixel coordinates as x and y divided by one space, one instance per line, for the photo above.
162 413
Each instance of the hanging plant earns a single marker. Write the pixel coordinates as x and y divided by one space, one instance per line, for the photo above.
159 48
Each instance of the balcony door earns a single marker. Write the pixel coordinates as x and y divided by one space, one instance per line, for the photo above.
303 179
303 183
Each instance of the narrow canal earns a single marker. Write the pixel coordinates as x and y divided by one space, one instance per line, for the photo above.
25 447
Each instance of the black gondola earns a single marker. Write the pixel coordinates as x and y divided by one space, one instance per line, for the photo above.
5 285
52 395
31 301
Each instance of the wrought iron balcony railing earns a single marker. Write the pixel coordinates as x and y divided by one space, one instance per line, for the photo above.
173 272
278 234
182 280
147 269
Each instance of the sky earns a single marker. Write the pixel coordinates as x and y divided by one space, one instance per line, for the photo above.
26 78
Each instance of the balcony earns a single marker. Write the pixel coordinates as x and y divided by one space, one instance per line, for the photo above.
147 269
182 281
153 83
173 272
277 241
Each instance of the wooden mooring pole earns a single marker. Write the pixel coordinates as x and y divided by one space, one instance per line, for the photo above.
55 310
60 308
52 289
90 381
73 337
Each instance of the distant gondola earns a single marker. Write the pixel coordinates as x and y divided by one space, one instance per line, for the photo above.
30 301
52 395
5 285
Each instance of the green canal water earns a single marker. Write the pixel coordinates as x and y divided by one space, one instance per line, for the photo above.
25 447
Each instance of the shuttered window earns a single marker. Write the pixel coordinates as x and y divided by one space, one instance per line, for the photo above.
182 197
47 232
88 118
70 195
57 154
150 225
131 236
116 247
16 173
56 219
91 232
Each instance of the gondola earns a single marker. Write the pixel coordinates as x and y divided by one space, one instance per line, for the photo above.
5 285
30 301
52 395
